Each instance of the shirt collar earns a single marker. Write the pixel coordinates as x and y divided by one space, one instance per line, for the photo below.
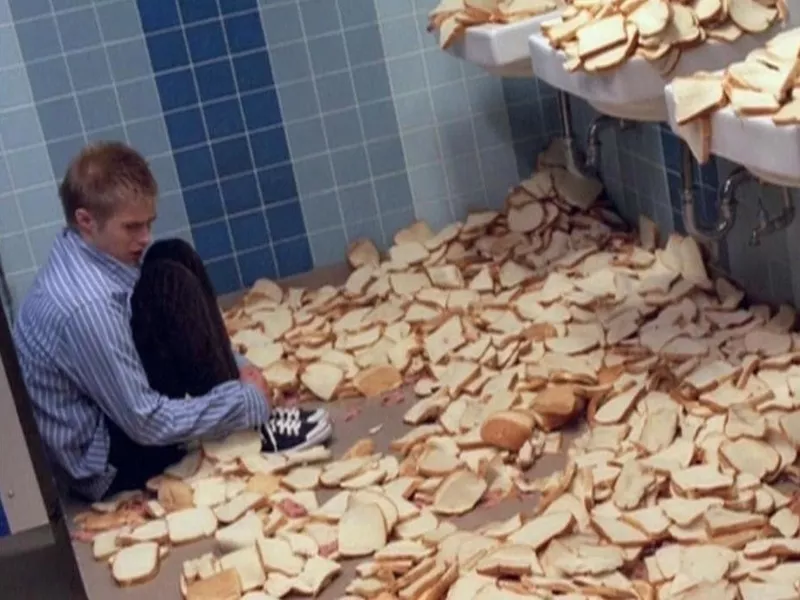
123 274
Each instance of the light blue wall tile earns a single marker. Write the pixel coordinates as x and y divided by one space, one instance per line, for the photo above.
166 175
99 109
386 156
457 137
399 36
371 82
38 38
138 99
335 92
313 175
78 29
282 23
306 138
19 284
436 214
357 12
392 222
379 119
42 239
59 118
89 69
414 111
343 128
321 211
319 17
171 213
442 67
450 102
421 147
290 62
39 206
370 229
5 177
328 54
364 45
29 167
16 90
393 193
350 165
149 136
118 20
19 128
327 247
129 60
464 174
62 151
407 74
428 183
10 217
358 202
49 78
9 47
390 10
298 100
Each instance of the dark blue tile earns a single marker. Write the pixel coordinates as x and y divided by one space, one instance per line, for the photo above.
286 221
194 166
253 71
215 80
206 41
234 6
244 32
672 151
198 10
277 184
203 203
167 50
176 90
255 265
27 9
674 185
224 276
249 230
240 194
294 257
158 14
185 128
223 118
212 240
261 109
269 147
4 528
59 118
232 157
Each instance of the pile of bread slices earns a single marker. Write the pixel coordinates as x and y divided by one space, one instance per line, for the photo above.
598 36
512 324
762 85
451 18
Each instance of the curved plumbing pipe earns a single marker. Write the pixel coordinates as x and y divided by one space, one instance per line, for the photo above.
767 225
589 165
726 200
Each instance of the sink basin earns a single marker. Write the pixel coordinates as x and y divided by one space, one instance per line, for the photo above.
501 49
635 90
768 151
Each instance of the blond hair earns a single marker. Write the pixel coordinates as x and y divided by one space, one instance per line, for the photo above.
104 176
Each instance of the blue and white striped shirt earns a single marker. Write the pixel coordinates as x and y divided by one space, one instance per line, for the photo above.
79 363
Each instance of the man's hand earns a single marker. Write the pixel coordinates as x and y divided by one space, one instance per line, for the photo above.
252 375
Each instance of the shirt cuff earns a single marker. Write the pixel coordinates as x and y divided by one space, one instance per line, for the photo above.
256 408
241 361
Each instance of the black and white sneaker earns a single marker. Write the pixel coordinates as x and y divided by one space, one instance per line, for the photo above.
295 429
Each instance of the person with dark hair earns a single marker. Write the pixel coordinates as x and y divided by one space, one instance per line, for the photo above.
122 345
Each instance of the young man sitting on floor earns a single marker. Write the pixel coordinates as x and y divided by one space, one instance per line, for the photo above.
122 345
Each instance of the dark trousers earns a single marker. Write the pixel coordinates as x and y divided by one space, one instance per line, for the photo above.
182 342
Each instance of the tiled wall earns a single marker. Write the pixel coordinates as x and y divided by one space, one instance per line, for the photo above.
641 170
279 130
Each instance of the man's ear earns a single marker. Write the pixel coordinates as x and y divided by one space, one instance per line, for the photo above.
84 221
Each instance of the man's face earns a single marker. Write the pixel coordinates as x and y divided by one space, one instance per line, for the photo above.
124 235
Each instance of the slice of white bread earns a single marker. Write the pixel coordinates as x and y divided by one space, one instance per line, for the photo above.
248 567
135 564
507 429
277 556
241 534
241 443
458 493
362 530
222 586
190 525
234 509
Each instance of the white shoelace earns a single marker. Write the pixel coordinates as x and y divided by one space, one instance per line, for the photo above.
286 414
287 426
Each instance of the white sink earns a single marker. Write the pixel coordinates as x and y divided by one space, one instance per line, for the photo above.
500 49
635 90
770 152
